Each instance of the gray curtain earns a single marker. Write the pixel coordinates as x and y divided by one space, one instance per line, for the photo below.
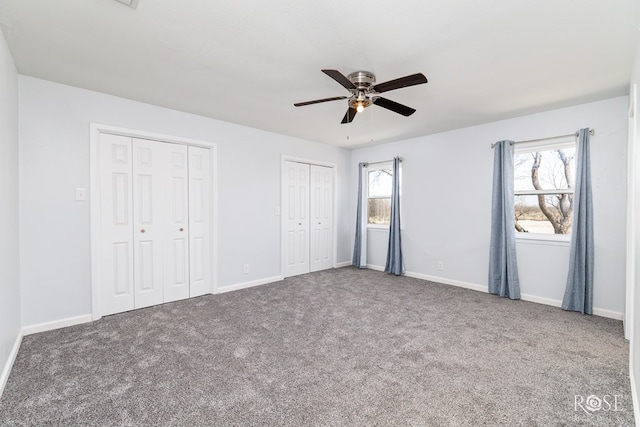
578 295
503 266
394 250
359 245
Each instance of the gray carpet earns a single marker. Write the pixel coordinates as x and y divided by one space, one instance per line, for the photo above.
339 347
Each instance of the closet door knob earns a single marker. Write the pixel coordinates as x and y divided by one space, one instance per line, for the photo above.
142 230
181 229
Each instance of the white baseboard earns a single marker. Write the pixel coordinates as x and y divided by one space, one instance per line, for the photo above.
245 285
446 281
33 329
557 303
343 264
635 399
483 288
608 313
540 300
56 324
12 358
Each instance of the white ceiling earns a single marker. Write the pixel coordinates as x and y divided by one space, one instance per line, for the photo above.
248 61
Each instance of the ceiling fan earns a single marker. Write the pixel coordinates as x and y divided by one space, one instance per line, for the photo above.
364 92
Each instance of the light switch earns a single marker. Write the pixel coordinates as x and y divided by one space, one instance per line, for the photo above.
81 194
276 211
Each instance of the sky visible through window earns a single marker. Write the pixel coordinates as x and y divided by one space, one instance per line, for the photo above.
380 183
551 172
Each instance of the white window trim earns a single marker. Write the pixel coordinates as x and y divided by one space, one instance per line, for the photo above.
550 144
380 166
547 145
560 239
378 227
544 192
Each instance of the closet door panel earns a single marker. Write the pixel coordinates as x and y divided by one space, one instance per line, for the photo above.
321 218
116 228
176 230
200 203
148 168
296 223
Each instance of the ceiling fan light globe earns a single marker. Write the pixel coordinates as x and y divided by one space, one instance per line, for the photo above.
360 108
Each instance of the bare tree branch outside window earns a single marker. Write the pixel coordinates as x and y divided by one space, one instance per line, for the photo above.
547 171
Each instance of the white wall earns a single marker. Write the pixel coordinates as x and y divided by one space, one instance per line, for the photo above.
54 160
9 274
634 242
446 203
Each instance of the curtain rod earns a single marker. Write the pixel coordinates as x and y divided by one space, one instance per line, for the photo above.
384 161
591 132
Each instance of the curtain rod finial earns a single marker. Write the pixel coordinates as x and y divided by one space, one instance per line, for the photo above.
591 132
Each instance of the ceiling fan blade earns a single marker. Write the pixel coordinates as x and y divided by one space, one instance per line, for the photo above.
350 114
340 78
393 106
317 101
412 80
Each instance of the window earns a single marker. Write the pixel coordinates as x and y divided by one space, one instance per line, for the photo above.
544 181
379 194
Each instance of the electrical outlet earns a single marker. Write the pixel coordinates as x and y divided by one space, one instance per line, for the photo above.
440 265
245 269
81 194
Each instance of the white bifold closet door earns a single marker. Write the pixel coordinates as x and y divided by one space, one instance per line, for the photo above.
148 176
308 223
149 203
296 211
175 220
116 228
321 208
199 224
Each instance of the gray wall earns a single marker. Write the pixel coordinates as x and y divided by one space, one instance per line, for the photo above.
446 203
9 272
54 160
634 243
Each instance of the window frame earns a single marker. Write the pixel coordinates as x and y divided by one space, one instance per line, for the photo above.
545 145
386 165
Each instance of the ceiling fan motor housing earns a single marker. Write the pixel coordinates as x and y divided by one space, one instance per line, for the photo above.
363 81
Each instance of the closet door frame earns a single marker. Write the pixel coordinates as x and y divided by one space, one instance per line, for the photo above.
280 209
95 130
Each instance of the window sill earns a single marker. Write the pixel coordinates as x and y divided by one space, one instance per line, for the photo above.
543 239
380 227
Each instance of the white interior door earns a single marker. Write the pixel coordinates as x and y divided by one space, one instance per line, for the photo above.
296 212
321 218
116 228
200 170
148 167
175 260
